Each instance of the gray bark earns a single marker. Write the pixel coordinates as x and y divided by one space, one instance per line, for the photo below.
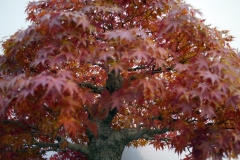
107 148
108 144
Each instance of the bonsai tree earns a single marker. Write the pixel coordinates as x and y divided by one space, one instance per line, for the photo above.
88 78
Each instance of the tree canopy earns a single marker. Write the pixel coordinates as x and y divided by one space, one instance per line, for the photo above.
89 77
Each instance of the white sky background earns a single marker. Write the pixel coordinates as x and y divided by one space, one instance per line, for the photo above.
223 14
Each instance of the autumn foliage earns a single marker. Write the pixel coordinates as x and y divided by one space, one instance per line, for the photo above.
88 74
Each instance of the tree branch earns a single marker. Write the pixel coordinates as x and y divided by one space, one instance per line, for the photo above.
136 68
110 116
114 81
94 88
135 134
151 69
147 137
46 145
76 147
27 127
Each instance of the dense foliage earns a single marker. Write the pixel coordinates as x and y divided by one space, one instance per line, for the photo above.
89 77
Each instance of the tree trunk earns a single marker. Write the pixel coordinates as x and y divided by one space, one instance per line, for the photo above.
109 149
109 144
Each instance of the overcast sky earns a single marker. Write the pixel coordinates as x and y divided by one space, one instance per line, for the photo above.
224 14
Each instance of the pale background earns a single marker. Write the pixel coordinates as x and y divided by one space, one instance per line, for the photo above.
224 14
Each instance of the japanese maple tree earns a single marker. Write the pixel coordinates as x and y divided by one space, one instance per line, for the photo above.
89 77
